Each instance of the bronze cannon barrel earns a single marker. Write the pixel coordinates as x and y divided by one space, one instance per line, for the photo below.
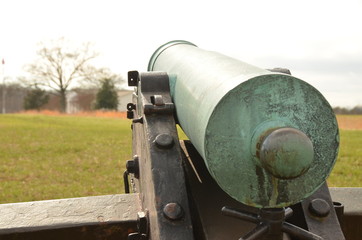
268 139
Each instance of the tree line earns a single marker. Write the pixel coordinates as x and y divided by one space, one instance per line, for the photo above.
357 110
62 65
106 97
19 98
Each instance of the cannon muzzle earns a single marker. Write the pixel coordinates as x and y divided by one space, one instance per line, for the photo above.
268 139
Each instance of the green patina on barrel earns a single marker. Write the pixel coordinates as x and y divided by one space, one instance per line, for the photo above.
268 139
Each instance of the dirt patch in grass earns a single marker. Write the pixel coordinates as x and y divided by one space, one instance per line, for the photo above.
108 114
350 122
346 122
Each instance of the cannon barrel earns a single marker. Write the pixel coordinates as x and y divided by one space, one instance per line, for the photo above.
268 139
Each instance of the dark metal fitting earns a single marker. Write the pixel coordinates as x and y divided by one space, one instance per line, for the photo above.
142 226
288 212
269 226
339 208
166 108
281 70
133 78
130 114
157 100
132 166
138 120
319 207
142 222
126 182
173 211
164 141
137 236
272 214
130 108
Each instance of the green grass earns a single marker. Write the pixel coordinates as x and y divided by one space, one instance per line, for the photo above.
50 157
348 169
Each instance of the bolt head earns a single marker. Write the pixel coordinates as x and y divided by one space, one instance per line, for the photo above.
319 207
132 166
173 211
164 141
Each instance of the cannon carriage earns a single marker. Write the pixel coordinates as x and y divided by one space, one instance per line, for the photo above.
261 144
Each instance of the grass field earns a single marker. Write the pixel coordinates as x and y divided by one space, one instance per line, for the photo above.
348 169
51 156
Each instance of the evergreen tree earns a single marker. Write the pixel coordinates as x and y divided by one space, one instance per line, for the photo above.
107 97
35 99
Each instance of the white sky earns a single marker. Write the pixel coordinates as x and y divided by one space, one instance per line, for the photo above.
319 41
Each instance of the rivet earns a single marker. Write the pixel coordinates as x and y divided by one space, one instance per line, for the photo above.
173 211
164 141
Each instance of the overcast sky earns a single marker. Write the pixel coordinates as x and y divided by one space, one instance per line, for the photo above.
319 41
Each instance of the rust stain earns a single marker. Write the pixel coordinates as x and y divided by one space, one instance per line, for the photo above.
275 193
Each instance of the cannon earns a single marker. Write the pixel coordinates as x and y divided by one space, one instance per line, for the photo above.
260 145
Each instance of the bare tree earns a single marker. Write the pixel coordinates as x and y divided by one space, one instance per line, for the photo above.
94 77
59 64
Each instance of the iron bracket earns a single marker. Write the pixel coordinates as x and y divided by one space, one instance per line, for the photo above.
160 179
